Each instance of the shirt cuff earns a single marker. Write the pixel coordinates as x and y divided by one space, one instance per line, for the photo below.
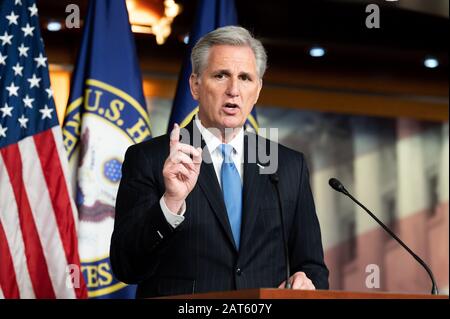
173 219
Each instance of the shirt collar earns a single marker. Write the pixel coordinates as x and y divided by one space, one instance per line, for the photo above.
213 142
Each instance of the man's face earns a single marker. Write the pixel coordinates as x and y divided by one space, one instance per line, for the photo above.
227 88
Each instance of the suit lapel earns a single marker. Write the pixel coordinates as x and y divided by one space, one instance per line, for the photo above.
254 184
209 184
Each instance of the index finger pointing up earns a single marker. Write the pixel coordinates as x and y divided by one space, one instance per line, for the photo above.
175 135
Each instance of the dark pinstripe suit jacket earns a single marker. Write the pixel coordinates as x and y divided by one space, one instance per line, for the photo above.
200 255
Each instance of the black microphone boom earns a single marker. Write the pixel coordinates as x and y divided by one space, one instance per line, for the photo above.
337 185
274 179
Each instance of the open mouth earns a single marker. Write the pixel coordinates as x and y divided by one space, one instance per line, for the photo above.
231 105
231 109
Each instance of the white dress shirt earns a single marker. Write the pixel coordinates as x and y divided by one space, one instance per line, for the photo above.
213 144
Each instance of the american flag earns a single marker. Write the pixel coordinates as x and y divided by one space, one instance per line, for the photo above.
38 239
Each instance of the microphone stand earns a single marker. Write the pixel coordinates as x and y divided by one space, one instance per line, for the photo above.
339 187
274 179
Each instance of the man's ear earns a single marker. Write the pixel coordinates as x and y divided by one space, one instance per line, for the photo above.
193 84
259 91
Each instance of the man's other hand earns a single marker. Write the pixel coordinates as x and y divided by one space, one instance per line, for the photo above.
299 280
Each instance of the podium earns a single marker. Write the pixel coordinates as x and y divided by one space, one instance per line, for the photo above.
271 293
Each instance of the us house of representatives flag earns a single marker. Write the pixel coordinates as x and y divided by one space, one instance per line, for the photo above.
38 218
210 15
106 113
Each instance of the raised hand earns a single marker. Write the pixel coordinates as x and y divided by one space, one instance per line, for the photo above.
180 171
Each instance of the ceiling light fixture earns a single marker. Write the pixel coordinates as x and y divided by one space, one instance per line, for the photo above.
317 52
431 62
54 26
153 17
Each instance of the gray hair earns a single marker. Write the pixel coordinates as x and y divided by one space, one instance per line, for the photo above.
229 35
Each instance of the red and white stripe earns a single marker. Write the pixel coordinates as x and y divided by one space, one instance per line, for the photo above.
37 220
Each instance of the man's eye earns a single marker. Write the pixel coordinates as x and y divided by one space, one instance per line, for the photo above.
219 76
245 78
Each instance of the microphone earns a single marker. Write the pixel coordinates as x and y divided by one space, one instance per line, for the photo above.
337 186
275 179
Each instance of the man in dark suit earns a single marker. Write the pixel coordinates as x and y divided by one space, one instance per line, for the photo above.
201 214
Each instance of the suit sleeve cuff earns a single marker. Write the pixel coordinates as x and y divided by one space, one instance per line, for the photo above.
173 219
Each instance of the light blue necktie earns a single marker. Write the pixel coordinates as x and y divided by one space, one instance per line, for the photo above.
232 191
